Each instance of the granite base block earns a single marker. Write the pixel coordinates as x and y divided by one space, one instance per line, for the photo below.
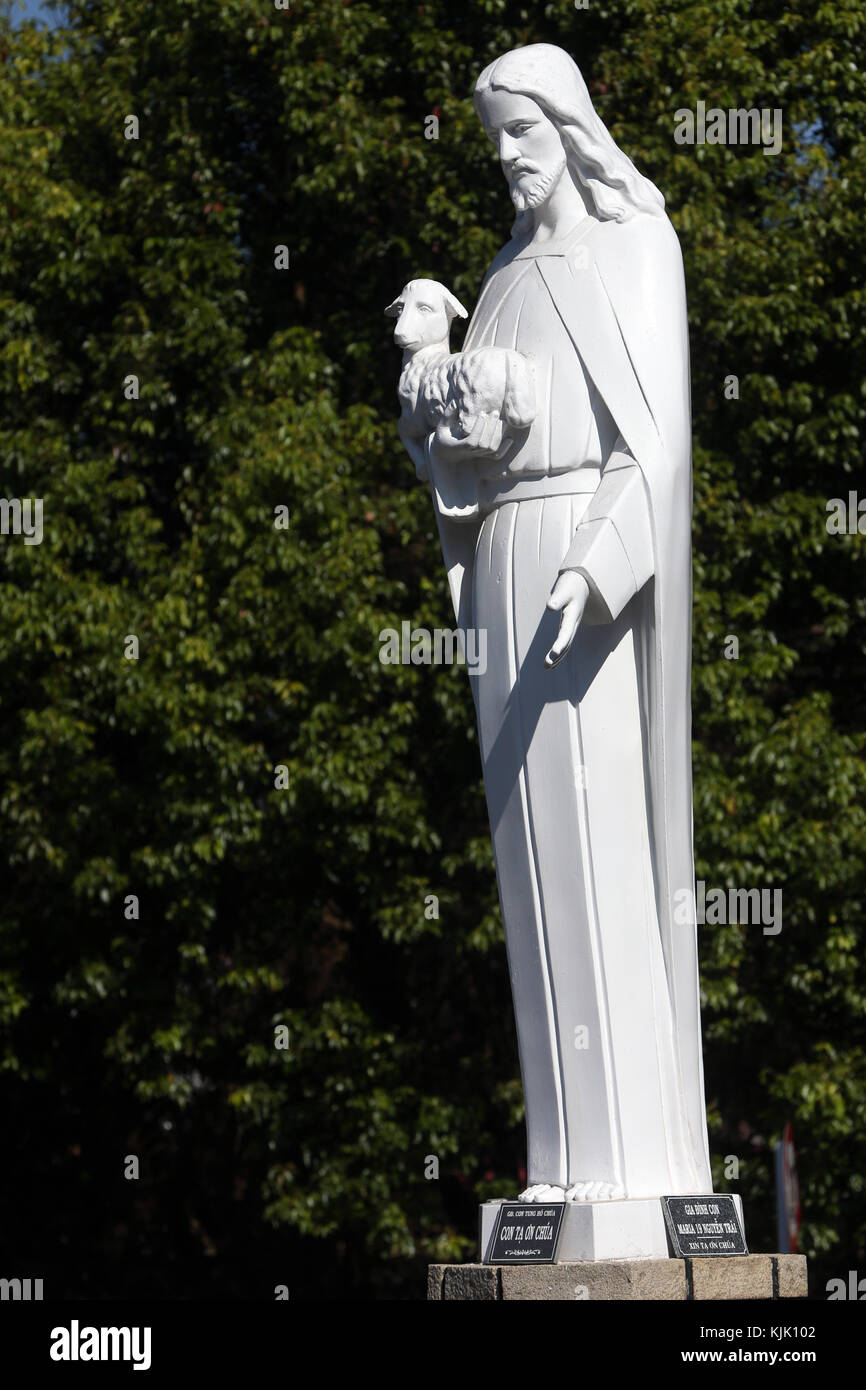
737 1276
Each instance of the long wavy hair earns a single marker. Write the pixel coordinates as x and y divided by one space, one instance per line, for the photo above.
552 79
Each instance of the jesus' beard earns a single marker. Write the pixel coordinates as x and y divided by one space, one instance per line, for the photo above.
540 189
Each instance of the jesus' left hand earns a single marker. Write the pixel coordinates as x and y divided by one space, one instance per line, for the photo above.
568 597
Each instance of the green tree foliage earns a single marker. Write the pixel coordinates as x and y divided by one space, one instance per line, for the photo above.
304 906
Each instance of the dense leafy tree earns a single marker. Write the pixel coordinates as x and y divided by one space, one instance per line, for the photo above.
261 905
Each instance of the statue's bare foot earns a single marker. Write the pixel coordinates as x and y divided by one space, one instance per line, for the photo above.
594 1192
542 1192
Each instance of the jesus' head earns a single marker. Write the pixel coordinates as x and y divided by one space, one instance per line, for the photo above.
535 106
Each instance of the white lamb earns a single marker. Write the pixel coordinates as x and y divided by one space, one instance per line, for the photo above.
424 311
436 383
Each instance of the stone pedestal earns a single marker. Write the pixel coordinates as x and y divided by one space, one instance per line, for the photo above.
722 1277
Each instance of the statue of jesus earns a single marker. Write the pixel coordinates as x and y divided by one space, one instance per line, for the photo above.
569 542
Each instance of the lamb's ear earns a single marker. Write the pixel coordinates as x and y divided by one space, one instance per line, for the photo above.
453 307
394 310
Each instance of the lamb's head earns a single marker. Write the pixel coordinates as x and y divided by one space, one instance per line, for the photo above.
424 310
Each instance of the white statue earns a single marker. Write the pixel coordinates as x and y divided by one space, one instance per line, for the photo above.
561 479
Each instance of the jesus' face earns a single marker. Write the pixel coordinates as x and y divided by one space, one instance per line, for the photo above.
530 149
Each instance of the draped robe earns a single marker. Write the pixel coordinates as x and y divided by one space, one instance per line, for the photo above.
587 767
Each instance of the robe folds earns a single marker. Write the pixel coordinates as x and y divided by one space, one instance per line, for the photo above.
587 767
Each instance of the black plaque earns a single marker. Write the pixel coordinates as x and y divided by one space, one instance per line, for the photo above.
703 1225
526 1233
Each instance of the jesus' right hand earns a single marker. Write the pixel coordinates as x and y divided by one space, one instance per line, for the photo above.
484 439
